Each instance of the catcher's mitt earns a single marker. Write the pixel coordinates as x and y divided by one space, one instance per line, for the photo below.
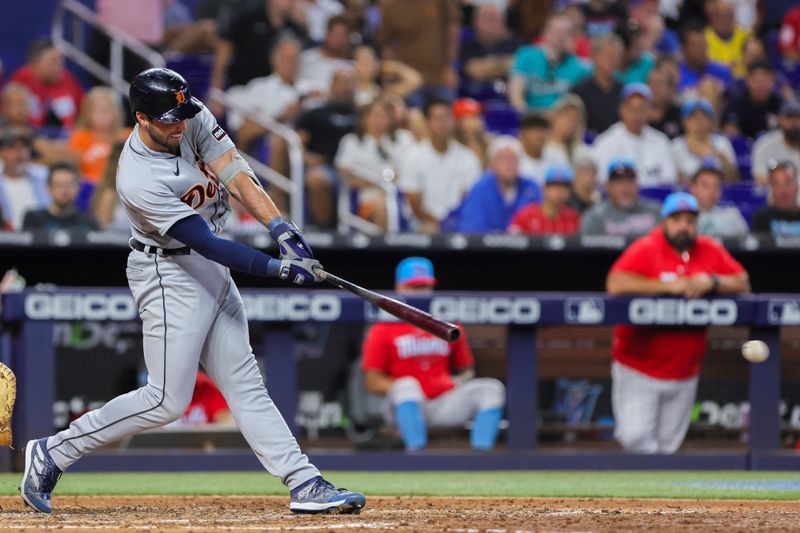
8 394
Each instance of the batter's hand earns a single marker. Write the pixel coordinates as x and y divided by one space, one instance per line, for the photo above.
291 243
300 271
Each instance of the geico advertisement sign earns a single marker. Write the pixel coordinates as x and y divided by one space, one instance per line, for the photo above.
667 311
80 307
490 310
319 307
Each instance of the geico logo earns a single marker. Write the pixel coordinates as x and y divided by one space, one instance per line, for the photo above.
497 310
80 307
686 312
324 308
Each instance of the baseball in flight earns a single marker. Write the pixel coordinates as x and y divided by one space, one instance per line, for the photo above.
755 351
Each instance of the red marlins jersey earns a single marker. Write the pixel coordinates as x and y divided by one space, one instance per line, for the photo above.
667 353
531 220
207 402
61 100
789 36
401 350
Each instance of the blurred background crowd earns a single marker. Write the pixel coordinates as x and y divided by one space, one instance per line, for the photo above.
520 116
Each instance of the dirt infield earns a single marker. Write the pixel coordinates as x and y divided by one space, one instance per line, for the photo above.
456 515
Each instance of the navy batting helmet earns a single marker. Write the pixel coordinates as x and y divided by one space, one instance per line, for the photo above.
162 94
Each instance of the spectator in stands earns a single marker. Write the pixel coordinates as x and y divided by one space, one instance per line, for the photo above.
99 126
631 138
584 186
534 131
23 185
603 17
188 32
553 215
318 64
63 184
600 92
655 371
724 37
782 218
637 61
779 145
566 141
438 171
540 74
55 93
700 77
375 77
318 14
486 57
412 368
470 128
714 219
276 96
493 200
656 37
624 212
581 43
15 110
321 129
144 21
424 35
665 113
700 146
245 48
789 36
106 207
755 109
364 157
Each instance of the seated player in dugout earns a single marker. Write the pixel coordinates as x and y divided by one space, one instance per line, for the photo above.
412 369
655 370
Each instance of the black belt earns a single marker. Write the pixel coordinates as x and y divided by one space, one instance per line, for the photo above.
136 245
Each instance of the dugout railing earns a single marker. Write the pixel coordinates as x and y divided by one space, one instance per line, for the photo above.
27 346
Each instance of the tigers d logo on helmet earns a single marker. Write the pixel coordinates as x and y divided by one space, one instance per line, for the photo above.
180 96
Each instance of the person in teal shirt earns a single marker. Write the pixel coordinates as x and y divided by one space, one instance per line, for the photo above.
541 74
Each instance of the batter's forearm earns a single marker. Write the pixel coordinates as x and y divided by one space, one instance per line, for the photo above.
255 200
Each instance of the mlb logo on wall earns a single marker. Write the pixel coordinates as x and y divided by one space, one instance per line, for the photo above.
584 310
783 312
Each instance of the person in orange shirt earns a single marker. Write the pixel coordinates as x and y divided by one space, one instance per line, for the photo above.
98 127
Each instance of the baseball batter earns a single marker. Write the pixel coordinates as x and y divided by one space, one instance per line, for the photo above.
176 173
412 368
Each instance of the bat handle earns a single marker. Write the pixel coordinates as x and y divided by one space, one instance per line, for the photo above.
319 272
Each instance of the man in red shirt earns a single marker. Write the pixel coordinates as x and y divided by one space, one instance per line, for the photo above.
655 370
789 36
552 215
55 93
412 369
208 405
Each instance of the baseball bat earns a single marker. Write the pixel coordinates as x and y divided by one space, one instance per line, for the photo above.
425 321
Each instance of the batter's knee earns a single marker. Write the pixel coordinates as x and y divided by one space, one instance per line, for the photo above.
489 393
165 409
406 389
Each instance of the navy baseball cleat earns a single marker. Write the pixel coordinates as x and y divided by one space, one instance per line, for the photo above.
40 477
318 496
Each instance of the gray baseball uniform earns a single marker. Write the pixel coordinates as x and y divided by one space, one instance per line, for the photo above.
190 308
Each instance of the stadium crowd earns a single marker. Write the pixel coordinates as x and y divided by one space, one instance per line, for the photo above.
521 116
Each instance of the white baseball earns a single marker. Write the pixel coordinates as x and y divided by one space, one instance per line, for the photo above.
755 351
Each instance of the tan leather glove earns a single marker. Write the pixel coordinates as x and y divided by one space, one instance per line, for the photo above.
8 395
